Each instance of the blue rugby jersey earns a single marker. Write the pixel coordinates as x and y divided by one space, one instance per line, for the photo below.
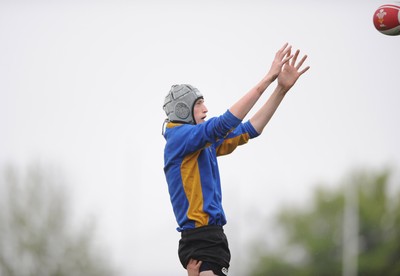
191 168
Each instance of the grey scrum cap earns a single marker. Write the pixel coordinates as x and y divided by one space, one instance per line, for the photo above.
179 103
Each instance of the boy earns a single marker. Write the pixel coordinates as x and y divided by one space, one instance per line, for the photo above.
190 160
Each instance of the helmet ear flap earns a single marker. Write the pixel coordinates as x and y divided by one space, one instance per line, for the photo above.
182 110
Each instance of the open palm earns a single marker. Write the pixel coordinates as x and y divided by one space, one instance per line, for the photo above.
291 72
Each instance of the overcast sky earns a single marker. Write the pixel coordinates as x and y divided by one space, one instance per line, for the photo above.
82 85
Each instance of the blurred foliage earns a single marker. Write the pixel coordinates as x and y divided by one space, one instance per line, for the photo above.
37 236
312 237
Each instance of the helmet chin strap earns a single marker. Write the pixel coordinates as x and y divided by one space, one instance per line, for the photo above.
164 127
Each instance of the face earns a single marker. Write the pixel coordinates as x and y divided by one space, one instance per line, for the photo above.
199 111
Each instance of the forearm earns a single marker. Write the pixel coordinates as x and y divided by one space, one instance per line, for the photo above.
246 103
265 113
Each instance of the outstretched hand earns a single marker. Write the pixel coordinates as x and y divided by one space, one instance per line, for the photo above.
291 71
281 57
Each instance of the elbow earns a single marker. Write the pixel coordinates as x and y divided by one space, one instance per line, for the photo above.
257 126
259 130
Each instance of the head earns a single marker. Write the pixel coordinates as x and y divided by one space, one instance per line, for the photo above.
185 104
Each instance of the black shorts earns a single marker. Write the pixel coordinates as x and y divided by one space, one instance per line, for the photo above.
206 244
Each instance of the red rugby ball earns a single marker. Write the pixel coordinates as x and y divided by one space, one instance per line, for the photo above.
387 19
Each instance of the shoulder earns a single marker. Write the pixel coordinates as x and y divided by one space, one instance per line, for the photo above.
175 130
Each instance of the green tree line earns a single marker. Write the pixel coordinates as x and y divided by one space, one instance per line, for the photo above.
353 229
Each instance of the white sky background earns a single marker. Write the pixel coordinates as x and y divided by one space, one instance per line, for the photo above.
82 85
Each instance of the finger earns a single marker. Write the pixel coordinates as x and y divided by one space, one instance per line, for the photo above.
301 62
287 51
193 261
283 51
283 47
287 59
295 57
288 55
304 70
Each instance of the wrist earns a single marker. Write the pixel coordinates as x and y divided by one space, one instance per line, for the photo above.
281 89
269 78
263 84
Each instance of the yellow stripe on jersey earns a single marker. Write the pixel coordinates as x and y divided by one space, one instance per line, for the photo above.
230 144
192 186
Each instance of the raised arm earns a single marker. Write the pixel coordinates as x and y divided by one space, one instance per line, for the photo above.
243 106
286 79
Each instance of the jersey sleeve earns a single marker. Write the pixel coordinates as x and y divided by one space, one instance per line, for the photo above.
239 136
190 138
